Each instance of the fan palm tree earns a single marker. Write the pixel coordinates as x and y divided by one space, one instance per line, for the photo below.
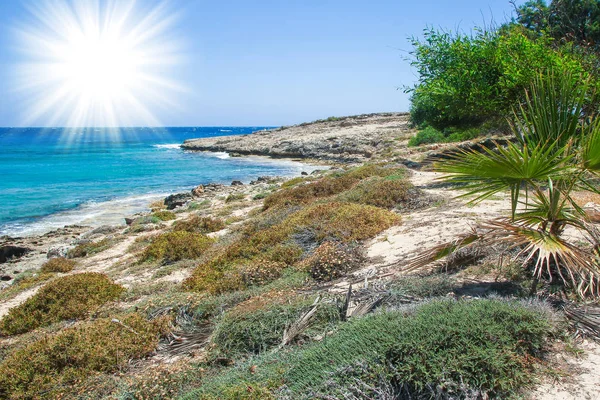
555 152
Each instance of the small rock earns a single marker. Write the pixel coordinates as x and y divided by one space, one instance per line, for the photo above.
59 251
5 278
177 200
235 155
304 173
198 191
129 221
237 183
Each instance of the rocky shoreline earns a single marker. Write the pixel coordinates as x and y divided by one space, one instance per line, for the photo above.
346 139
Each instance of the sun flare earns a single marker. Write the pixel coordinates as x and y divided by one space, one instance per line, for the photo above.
97 63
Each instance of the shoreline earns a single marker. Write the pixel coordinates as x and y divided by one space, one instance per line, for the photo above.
95 213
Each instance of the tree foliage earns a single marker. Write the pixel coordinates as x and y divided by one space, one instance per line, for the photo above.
469 80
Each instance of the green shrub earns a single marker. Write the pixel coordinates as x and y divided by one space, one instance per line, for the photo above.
466 80
65 298
427 136
200 224
88 249
381 192
58 264
257 325
51 366
332 260
176 246
164 215
479 348
235 197
327 186
285 239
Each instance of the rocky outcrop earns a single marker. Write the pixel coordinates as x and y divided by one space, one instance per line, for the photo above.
347 139
177 200
12 252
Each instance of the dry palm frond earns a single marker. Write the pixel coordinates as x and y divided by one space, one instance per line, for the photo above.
585 321
300 324
443 251
179 343
550 255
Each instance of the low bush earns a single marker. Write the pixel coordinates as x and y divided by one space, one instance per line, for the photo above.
164 215
332 260
381 192
88 249
327 186
58 264
285 238
427 136
235 197
444 348
175 246
49 367
431 135
69 297
257 324
200 224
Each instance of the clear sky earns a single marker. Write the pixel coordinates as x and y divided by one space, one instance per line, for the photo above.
278 62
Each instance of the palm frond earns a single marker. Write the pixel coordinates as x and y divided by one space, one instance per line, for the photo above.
590 153
552 110
550 255
495 170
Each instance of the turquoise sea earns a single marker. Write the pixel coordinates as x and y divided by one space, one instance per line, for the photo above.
55 177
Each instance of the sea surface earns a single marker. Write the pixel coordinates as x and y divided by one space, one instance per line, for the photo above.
50 178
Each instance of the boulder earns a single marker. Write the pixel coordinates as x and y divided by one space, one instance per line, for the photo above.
303 173
12 252
198 191
5 278
237 183
58 251
177 200
129 221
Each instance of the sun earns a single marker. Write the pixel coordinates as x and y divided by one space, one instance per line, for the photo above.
97 63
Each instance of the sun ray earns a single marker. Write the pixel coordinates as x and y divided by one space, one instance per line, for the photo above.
92 63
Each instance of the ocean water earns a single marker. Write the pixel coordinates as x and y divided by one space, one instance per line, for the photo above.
55 177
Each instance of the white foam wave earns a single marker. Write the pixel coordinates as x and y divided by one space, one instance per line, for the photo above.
168 146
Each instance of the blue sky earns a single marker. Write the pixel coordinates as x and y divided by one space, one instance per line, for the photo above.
280 62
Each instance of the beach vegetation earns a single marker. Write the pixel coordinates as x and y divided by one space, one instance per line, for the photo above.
333 260
258 324
61 363
282 237
235 197
90 248
65 298
421 351
390 192
200 224
164 215
328 186
175 246
58 264
555 153
467 80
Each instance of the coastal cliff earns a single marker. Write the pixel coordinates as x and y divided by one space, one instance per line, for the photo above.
345 139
